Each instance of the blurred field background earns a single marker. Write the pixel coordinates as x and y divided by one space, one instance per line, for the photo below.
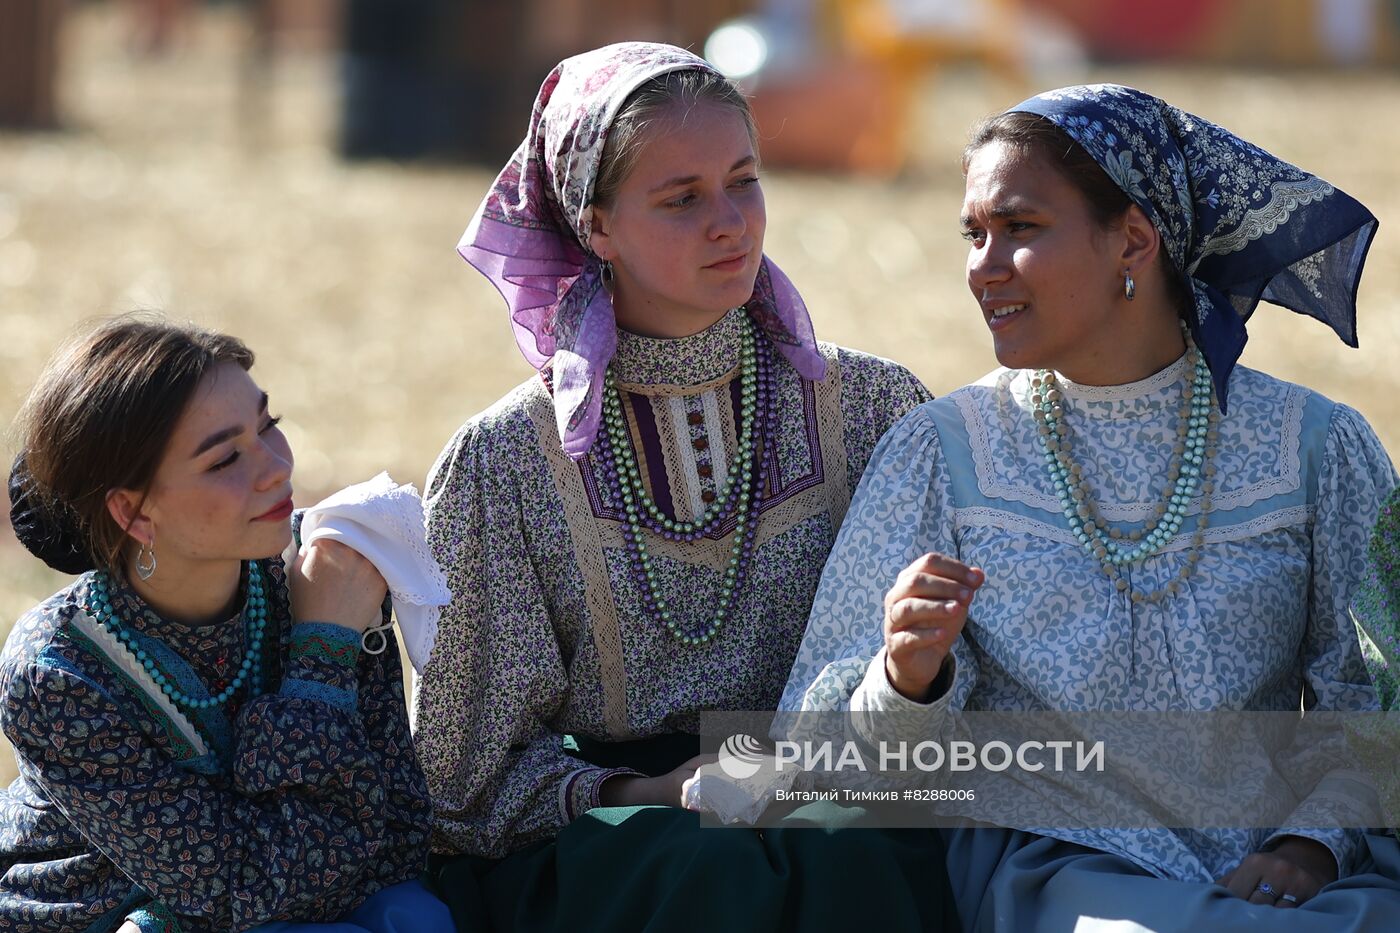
162 188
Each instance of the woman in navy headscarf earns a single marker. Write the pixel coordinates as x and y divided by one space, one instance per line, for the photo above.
1123 518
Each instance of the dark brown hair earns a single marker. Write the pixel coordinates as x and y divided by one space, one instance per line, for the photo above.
687 87
1034 135
101 416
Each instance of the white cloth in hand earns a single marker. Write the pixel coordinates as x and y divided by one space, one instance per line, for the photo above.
383 521
739 800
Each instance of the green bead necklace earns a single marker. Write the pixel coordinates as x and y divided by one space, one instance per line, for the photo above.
1197 432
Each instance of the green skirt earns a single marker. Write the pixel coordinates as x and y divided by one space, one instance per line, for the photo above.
655 868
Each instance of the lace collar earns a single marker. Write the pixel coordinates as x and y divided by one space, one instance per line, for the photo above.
1143 398
680 361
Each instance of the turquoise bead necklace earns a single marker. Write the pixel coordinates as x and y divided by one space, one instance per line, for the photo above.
1198 426
255 622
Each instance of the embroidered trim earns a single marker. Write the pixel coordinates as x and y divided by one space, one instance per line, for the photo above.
675 436
594 528
323 641
1289 459
657 390
580 790
338 697
831 437
728 427
825 488
714 432
638 448
155 917
118 658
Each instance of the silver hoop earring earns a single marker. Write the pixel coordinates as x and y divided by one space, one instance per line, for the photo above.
146 561
1129 286
608 275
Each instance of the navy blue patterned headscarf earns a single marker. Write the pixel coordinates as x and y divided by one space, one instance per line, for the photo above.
1238 223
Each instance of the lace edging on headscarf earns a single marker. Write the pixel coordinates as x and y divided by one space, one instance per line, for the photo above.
1240 224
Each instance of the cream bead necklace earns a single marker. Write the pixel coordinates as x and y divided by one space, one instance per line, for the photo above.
1198 426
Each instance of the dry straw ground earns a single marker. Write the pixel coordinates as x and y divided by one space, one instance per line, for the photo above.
375 341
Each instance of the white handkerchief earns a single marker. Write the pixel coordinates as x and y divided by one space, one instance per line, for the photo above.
739 798
384 522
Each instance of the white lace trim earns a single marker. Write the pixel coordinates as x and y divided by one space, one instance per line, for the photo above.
1286 479
1172 373
1289 458
680 441
1215 534
125 661
714 429
1285 197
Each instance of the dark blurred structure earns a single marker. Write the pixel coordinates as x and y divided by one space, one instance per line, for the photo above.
28 62
456 78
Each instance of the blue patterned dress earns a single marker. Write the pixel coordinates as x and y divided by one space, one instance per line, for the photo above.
292 804
1261 623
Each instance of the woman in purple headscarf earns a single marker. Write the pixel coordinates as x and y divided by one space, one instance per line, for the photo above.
1122 519
634 536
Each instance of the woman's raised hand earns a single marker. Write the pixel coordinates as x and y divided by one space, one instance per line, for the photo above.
334 583
925 611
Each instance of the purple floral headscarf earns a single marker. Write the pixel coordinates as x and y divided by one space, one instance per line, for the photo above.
530 237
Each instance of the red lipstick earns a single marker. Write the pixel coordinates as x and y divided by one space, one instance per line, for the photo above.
278 512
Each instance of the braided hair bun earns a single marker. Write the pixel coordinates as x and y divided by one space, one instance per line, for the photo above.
46 527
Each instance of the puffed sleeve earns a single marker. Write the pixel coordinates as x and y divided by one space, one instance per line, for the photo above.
876 394
1354 479
295 833
902 509
498 773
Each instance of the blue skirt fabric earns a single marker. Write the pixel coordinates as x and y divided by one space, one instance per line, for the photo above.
403 908
1007 881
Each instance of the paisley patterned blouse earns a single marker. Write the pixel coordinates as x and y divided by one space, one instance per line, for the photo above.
546 634
1261 623
294 804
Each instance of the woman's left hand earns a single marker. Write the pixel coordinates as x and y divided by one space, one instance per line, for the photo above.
129 927
1286 875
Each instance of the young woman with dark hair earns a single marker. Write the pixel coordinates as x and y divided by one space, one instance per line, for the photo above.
202 744
1123 519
